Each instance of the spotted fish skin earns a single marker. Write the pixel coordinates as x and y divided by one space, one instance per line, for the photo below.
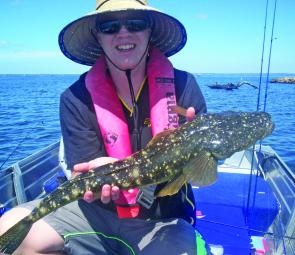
189 152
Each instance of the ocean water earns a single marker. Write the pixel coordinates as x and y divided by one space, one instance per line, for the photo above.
29 106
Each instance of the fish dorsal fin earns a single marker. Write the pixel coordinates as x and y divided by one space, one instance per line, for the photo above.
172 187
158 137
201 170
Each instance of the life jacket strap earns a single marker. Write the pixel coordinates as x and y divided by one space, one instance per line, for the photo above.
129 211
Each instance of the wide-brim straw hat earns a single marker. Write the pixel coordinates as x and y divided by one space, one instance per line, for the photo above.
78 42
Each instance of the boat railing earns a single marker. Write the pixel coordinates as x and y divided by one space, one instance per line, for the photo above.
32 177
268 165
282 182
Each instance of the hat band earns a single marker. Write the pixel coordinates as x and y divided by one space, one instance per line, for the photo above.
110 0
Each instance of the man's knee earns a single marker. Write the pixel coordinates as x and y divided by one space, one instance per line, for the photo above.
42 238
12 217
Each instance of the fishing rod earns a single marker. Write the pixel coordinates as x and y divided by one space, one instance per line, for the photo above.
264 109
269 56
262 58
19 145
257 109
258 101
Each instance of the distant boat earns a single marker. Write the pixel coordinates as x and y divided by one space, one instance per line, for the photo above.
230 86
290 80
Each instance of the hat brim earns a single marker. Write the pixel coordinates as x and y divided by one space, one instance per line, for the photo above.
78 42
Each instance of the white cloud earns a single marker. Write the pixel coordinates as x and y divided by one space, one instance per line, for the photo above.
7 44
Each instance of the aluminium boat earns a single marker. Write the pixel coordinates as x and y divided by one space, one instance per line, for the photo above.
249 210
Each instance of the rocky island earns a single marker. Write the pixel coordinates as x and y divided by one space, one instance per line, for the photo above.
290 80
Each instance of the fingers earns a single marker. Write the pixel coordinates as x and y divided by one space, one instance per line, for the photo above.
105 194
86 166
109 193
115 193
80 169
190 114
88 196
101 161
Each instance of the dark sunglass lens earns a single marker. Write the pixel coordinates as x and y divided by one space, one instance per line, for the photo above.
109 27
136 25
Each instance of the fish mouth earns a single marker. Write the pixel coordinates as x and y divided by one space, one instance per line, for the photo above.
270 129
269 125
245 132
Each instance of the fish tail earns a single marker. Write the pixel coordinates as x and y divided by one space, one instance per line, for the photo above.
13 237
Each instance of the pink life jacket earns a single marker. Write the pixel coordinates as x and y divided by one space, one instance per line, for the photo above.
111 119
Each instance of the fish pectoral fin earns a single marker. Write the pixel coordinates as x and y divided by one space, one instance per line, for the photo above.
172 187
202 170
199 171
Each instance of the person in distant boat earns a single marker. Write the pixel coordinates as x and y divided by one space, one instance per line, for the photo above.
127 97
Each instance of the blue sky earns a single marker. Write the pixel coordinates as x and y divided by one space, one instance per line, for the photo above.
223 35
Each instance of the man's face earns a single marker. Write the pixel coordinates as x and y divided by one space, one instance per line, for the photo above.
124 40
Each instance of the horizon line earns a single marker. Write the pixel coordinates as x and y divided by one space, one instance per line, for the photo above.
195 73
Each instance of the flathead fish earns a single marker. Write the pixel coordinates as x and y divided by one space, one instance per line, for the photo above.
188 153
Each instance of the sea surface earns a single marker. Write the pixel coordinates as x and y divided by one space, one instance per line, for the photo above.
29 110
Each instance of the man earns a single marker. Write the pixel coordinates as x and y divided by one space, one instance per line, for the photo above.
113 110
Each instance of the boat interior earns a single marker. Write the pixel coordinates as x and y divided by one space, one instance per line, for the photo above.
249 210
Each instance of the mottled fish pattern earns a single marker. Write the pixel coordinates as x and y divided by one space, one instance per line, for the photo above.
188 153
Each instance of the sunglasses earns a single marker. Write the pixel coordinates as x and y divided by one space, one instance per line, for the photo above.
114 26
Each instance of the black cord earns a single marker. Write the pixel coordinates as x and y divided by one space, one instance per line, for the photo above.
135 110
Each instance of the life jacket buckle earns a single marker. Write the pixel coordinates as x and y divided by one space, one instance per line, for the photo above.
145 196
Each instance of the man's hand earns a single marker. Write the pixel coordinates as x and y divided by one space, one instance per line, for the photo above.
190 114
108 192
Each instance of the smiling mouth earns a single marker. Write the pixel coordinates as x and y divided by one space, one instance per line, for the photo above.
125 47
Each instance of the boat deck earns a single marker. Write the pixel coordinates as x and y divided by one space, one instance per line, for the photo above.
223 217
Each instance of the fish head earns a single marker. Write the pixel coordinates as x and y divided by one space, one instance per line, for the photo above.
223 134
